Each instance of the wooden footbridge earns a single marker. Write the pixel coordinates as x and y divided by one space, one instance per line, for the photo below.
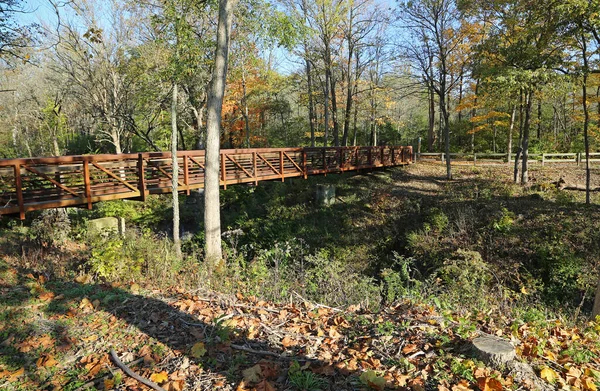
51 182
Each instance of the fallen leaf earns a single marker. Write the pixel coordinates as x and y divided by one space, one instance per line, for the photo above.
175 385
159 377
489 384
264 386
109 384
549 375
253 374
589 384
46 361
198 350
287 341
371 380
46 296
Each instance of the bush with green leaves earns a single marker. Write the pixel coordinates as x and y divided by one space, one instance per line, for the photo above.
134 256
465 281
398 281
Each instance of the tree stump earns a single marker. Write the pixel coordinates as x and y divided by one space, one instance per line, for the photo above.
500 354
494 351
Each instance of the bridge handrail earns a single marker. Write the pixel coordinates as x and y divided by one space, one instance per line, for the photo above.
47 182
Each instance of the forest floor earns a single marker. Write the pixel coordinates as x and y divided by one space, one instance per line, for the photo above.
57 332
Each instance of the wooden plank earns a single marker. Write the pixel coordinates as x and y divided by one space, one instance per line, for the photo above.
186 175
261 157
239 166
197 162
223 171
53 181
159 168
88 187
281 166
113 176
141 177
254 168
19 190
292 161
304 164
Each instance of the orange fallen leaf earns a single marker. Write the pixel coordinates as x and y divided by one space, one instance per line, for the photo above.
489 384
287 341
175 385
109 384
46 361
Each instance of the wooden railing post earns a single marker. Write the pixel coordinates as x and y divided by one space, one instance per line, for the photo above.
393 152
382 162
342 159
141 177
305 163
223 171
281 166
87 182
254 171
370 156
19 190
186 174
325 159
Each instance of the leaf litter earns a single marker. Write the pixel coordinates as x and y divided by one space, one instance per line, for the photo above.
187 341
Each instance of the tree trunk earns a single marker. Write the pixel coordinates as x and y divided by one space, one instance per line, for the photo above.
245 109
334 112
431 129
526 128
520 144
510 131
311 107
326 108
212 212
446 127
586 120
175 174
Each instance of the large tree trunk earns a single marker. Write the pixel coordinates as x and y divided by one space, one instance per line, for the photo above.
349 93
510 132
245 109
431 129
311 107
326 108
212 212
334 112
175 174
520 144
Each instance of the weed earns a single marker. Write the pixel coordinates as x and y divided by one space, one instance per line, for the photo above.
305 380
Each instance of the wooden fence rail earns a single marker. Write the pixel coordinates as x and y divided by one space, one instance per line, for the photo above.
51 182
543 158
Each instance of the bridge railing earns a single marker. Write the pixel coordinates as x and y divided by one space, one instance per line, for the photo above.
50 182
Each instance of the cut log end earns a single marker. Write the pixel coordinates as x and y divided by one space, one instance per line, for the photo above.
494 351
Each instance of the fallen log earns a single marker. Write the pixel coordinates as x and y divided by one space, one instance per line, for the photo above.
562 185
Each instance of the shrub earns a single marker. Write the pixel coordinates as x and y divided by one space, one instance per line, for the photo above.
135 256
52 227
437 219
397 281
505 222
466 281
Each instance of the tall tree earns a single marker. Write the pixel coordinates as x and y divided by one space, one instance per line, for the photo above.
433 28
212 207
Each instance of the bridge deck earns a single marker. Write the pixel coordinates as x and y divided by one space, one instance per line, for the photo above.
51 182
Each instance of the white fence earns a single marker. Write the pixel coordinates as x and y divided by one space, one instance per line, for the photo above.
499 158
